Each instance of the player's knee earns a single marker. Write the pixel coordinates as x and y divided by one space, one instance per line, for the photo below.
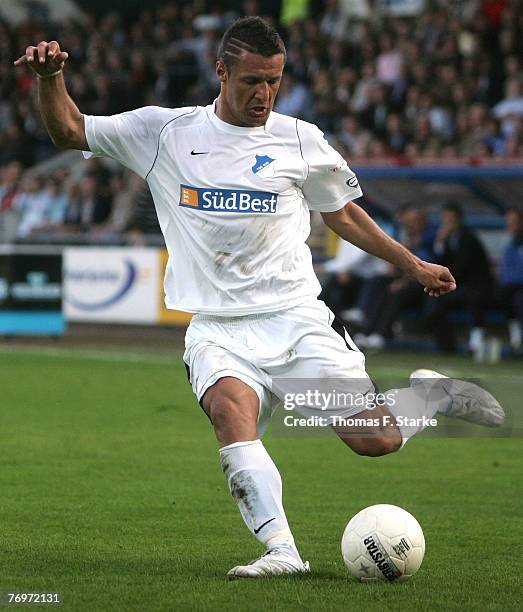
376 446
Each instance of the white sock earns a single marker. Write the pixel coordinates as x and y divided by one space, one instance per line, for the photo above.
422 400
255 484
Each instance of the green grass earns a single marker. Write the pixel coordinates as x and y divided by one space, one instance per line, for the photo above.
111 493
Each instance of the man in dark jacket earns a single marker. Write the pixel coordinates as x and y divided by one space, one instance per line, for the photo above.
511 278
457 247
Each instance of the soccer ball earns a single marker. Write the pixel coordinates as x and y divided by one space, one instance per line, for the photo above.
383 542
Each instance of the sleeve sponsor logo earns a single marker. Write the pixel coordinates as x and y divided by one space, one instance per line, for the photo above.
353 182
228 200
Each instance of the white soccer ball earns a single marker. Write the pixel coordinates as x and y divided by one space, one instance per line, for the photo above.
383 542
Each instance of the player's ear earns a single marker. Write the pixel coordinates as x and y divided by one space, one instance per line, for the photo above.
221 70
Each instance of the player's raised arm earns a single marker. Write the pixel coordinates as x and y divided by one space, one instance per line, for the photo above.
63 120
353 224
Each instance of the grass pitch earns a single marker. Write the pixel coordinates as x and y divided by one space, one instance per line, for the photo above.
111 494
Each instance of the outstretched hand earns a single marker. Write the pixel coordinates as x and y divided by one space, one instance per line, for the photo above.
436 280
46 59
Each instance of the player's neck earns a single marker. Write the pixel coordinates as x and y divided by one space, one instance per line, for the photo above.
224 113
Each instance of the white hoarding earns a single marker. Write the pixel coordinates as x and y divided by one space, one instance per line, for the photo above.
112 285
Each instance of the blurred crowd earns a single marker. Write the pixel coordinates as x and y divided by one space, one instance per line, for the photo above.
101 205
446 83
376 299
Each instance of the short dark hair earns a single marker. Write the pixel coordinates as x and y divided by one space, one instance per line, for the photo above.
455 208
251 34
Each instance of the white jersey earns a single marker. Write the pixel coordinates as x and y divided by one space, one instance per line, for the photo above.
232 202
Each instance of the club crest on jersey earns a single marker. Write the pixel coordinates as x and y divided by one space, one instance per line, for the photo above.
262 161
227 200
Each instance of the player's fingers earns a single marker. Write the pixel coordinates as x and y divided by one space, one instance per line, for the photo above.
21 60
42 48
30 54
444 288
61 57
433 292
53 48
447 276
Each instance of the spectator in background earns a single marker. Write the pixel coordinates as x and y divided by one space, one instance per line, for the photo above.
511 278
10 176
91 208
361 97
459 249
353 137
510 109
374 115
55 192
293 98
493 138
396 137
389 63
32 203
56 187
347 289
399 292
123 200
334 21
41 205
144 220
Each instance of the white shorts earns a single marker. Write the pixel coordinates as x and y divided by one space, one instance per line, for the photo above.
275 353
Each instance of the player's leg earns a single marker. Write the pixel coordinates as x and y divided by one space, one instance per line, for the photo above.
252 476
409 411
375 433
324 359
232 407
234 394
329 350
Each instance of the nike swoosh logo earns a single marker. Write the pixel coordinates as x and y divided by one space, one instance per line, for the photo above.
262 526
193 152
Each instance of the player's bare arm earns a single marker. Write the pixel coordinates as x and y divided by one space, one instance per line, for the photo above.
63 120
353 224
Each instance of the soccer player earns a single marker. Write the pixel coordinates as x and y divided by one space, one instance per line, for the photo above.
233 184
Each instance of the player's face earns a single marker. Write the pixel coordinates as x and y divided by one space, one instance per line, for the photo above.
249 88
